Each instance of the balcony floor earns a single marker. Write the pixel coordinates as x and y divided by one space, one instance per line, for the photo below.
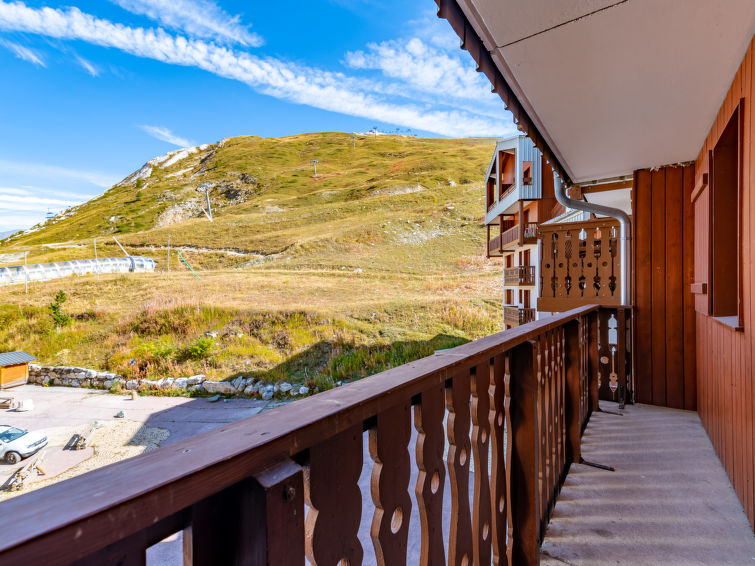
668 502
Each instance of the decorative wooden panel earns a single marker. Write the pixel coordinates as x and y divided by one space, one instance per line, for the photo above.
579 264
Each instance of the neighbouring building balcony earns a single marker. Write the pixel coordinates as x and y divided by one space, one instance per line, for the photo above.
511 238
523 276
516 316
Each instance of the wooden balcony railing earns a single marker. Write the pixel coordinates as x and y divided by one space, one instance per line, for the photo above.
522 275
510 237
516 315
516 403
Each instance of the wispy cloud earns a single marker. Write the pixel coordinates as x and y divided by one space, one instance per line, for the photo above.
327 90
87 66
44 171
23 52
201 18
22 208
423 67
164 134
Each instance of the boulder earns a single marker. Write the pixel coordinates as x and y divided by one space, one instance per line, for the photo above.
132 384
267 394
250 390
180 383
108 383
284 387
222 387
167 383
195 379
303 390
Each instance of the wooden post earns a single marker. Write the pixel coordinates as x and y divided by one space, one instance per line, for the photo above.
521 222
573 371
245 524
26 273
594 365
524 456
274 520
621 353
96 261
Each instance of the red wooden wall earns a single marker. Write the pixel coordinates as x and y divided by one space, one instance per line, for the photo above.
726 392
664 321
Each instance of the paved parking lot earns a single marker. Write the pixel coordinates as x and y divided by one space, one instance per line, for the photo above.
148 422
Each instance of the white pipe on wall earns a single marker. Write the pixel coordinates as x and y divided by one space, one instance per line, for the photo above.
625 235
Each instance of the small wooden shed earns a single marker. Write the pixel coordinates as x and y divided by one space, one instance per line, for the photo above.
14 368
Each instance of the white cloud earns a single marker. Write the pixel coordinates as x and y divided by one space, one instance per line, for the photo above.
23 53
201 18
425 68
164 134
39 170
22 208
303 85
87 66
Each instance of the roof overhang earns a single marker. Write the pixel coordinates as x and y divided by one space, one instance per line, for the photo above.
605 87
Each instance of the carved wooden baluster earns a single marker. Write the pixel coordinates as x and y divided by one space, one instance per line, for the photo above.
508 446
550 383
428 420
335 500
562 402
559 412
389 439
481 519
457 403
540 353
498 400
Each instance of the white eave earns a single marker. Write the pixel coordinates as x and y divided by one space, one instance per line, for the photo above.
615 86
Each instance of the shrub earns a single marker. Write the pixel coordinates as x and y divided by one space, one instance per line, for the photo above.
56 310
199 349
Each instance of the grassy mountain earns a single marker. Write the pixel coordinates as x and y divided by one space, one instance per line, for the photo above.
374 261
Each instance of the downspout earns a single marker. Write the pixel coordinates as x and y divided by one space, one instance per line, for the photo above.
625 235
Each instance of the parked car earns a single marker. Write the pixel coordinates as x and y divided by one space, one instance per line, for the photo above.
16 443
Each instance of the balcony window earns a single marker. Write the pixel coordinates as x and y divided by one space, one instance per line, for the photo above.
726 241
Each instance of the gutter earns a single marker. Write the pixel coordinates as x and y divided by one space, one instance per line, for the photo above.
625 235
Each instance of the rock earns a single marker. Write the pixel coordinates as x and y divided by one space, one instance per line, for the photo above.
120 415
214 399
90 374
238 384
132 384
285 387
303 390
222 387
195 379
108 383
167 383
198 387
80 375
211 334
150 383
294 392
180 383
267 395
250 390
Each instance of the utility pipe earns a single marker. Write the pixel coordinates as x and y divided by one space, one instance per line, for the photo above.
625 235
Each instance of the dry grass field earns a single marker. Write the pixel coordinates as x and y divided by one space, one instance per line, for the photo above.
375 262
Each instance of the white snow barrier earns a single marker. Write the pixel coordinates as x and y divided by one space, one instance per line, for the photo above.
15 274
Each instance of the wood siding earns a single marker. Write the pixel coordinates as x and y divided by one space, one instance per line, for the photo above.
664 329
726 393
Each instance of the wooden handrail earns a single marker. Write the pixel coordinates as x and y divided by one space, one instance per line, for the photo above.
253 467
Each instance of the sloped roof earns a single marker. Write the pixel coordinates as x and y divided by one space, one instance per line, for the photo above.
13 358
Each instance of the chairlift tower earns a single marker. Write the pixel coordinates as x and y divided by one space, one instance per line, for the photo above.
314 163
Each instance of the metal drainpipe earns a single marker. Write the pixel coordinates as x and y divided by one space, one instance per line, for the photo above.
625 232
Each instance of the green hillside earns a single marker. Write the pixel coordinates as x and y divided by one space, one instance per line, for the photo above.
375 261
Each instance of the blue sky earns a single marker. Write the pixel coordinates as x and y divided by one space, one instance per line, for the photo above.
93 89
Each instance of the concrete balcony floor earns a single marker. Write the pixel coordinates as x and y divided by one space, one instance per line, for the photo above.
668 502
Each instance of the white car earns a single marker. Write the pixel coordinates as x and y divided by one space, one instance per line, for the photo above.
16 443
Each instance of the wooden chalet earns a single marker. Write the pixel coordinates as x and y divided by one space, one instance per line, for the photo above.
14 368
475 455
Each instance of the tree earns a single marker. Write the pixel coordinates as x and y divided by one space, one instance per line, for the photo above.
56 310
